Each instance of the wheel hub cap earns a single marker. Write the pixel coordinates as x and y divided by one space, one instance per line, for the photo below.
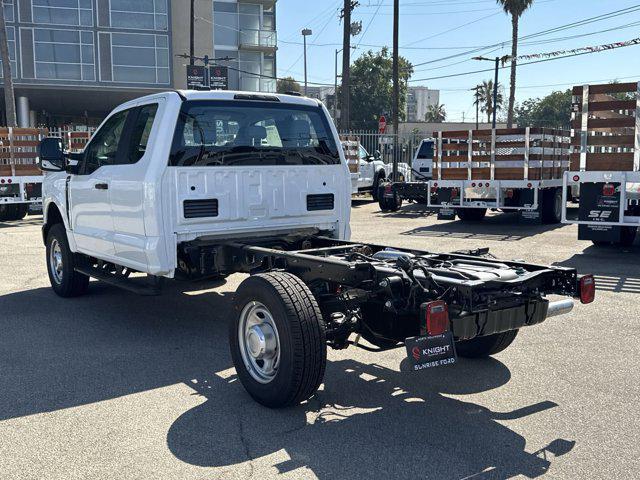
259 342
55 260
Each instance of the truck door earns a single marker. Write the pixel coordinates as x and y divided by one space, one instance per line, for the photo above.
366 168
127 186
88 191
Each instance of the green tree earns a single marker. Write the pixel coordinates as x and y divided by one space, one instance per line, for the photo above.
372 87
515 8
287 84
436 114
483 96
554 110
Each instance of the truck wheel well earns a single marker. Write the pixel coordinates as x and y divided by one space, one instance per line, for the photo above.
53 217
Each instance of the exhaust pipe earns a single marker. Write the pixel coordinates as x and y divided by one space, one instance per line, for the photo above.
560 307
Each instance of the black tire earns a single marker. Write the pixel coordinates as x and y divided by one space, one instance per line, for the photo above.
375 194
471 214
20 211
551 211
389 204
70 283
301 332
484 346
600 243
6 212
627 236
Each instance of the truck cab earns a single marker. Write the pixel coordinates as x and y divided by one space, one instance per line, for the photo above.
422 163
231 165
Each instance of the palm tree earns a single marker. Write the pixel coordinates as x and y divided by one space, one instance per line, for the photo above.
436 114
515 8
483 96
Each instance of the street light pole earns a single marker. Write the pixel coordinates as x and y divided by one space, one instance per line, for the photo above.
305 33
192 34
495 86
335 90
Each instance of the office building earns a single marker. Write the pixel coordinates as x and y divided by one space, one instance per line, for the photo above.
74 60
419 99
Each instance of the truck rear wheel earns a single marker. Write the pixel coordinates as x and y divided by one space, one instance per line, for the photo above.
552 205
19 211
484 346
277 339
65 281
6 212
471 214
389 204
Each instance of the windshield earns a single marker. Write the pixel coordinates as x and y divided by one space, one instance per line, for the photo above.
223 133
426 150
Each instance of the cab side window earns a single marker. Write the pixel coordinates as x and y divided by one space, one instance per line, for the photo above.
140 132
103 149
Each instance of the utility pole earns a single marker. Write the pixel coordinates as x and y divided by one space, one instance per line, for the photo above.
395 114
345 104
9 98
305 33
476 95
495 93
192 33
335 90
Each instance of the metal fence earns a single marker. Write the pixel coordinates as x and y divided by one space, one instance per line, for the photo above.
391 147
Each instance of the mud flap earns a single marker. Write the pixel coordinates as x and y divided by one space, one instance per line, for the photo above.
531 217
596 207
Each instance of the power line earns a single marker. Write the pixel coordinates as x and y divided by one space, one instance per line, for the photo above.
519 65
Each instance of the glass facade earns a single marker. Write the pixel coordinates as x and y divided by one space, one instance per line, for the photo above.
246 32
63 54
89 42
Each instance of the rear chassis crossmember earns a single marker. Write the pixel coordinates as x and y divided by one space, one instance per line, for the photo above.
381 297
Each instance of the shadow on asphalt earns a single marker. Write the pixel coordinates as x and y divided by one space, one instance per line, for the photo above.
617 269
60 353
503 227
29 220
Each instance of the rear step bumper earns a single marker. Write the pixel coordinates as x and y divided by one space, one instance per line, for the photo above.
497 321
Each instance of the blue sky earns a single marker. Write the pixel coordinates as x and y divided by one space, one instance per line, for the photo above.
433 29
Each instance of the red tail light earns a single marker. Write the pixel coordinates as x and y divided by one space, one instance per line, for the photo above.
587 289
436 318
609 190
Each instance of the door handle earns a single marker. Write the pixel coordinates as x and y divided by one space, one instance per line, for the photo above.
101 186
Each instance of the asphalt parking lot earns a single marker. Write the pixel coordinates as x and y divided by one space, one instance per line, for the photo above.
111 385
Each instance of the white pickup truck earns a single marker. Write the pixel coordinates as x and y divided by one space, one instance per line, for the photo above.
205 184
372 172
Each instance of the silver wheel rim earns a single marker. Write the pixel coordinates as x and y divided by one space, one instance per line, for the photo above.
259 342
55 261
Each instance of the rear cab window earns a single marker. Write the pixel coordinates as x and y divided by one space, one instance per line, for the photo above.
212 133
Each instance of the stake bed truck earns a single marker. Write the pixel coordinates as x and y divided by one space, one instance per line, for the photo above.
605 163
508 169
205 184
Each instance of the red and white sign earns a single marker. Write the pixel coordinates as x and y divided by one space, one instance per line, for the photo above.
382 124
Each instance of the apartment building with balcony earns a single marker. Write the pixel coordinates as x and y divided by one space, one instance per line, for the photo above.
74 60
241 30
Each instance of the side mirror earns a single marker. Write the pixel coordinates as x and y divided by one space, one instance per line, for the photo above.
370 158
377 154
51 156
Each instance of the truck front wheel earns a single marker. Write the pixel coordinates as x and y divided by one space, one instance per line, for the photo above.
65 281
277 339
484 346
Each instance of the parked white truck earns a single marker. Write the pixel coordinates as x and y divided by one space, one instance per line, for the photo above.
368 171
206 184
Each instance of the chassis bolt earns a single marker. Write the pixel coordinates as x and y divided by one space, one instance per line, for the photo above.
388 304
384 283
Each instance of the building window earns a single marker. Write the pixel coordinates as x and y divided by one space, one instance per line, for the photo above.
140 58
9 13
63 12
141 14
11 41
63 54
225 23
